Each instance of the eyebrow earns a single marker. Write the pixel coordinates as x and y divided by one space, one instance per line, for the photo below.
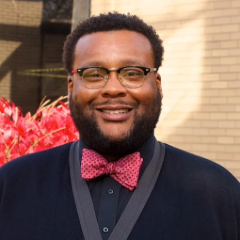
128 62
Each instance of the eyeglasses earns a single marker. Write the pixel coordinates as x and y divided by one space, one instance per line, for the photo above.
129 76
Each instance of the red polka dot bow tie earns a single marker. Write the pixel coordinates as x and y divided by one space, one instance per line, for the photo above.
125 170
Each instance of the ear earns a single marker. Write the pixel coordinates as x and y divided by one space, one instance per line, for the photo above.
70 84
159 84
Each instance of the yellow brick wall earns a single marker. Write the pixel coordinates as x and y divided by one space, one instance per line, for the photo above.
200 73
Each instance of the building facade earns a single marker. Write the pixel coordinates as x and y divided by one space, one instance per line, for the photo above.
200 72
32 34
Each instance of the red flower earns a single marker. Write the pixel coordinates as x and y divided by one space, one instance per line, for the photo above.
49 127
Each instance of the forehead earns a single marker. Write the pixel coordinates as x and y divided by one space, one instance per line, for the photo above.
113 47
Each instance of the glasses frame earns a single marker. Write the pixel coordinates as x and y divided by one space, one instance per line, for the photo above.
118 70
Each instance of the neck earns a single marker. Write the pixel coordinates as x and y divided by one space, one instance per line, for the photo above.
110 158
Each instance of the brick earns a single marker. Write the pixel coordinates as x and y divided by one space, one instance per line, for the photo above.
199 147
234 36
223 36
224 156
234 68
217 131
220 69
204 69
235 19
210 108
175 24
237 108
209 124
218 84
234 84
200 115
236 157
229 12
208 139
233 132
212 45
230 28
207 92
233 100
217 148
229 76
192 139
235 4
226 108
208 37
229 44
220 52
213 29
212 13
233 148
225 140
233 164
226 124
222 20
184 131
177 139
217 100
211 61
227 92
222 4
233 116
228 60
200 132
205 101
210 77
192 123
219 116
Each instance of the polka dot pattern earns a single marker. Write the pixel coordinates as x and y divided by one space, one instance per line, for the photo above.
125 170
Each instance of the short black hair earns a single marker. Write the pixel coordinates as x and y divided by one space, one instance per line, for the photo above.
109 22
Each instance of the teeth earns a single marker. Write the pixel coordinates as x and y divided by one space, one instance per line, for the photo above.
115 111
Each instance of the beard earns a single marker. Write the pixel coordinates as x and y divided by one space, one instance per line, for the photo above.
140 131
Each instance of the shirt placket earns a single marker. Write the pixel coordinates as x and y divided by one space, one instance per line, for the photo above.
108 207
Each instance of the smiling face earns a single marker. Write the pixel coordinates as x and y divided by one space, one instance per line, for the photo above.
115 120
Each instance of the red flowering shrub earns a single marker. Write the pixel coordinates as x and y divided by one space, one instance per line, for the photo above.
50 126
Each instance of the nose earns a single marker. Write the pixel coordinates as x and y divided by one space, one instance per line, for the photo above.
113 87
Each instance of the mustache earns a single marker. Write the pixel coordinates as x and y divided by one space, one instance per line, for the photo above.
113 102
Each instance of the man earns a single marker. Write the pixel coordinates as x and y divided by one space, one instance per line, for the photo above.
92 189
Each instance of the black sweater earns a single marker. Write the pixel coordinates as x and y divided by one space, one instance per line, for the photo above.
193 199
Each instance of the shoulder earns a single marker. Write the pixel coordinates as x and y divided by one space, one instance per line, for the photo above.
35 161
189 160
197 169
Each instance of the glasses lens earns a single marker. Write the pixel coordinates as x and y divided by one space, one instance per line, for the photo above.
94 77
131 77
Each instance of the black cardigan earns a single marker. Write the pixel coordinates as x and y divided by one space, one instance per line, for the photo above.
193 199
